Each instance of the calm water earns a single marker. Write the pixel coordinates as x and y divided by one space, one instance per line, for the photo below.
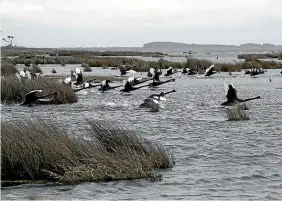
215 158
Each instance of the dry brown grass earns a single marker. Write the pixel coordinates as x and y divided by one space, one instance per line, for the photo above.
38 150
13 91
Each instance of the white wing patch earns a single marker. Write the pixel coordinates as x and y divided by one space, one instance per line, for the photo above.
77 70
209 68
131 79
45 99
22 73
34 91
67 80
103 83
86 85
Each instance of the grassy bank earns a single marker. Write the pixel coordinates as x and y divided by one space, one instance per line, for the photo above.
38 150
13 91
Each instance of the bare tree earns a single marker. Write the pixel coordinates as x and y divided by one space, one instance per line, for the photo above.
8 41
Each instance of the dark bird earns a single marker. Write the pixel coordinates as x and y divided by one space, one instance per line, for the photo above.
210 71
184 71
128 87
124 69
31 98
257 71
169 71
191 72
154 83
104 85
232 98
157 74
150 101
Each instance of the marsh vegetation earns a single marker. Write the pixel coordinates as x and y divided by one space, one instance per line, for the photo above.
40 150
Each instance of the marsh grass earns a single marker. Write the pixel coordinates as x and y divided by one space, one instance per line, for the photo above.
39 150
237 113
253 62
13 91
33 69
197 64
87 68
8 68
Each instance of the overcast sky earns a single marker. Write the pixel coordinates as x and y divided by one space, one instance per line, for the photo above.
92 23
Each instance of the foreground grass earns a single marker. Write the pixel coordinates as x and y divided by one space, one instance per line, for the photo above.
38 150
13 91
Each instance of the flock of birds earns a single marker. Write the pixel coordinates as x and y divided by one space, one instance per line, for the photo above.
77 83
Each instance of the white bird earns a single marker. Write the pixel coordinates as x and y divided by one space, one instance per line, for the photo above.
32 97
152 71
23 74
67 81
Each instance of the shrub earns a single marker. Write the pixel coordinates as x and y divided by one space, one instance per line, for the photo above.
237 113
13 90
38 150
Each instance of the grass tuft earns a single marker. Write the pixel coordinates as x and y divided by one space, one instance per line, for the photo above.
13 91
237 113
39 150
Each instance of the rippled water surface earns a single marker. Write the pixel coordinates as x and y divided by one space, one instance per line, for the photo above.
215 158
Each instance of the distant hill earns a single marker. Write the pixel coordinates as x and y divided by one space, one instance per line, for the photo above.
164 47
183 47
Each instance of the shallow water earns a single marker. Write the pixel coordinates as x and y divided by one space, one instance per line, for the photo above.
215 158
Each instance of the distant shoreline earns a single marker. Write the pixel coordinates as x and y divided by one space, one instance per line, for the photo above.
164 47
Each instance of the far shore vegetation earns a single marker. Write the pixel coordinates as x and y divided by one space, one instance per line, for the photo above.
38 151
87 59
